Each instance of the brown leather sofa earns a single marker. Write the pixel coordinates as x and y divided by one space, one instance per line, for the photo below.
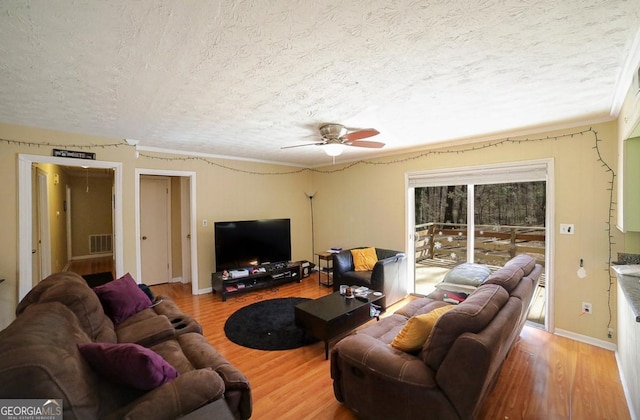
456 368
388 274
40 358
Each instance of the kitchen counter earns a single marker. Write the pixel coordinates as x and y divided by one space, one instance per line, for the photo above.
629 281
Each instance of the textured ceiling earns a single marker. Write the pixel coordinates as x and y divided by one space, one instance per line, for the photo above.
245 78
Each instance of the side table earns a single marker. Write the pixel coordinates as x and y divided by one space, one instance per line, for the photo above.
327 270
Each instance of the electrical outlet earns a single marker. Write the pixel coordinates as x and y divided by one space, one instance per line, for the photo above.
204 222
610 332
566 228
587 308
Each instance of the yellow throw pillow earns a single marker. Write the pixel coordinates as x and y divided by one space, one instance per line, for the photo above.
417 329
364 259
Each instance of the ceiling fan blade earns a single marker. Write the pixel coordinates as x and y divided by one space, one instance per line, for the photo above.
302 145
360 134
369 144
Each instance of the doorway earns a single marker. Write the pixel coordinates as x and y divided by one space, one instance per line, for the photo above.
42 239
485 215
181 222
26 196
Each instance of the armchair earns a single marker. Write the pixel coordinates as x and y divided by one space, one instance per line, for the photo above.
388 274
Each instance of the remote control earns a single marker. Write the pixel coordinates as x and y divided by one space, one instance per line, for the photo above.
362 298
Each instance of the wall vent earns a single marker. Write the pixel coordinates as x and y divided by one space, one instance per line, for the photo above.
100 244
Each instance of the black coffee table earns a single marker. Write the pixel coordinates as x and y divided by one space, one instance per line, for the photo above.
333 315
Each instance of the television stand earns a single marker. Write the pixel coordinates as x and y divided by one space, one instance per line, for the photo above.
274 275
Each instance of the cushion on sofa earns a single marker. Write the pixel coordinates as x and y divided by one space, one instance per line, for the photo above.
39 359
419 306
128 364
364 259
122 298
469 274
464 278
72 291
417 329
385 331
508 277
472 315
524 261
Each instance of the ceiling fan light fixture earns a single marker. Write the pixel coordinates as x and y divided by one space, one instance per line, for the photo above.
333 149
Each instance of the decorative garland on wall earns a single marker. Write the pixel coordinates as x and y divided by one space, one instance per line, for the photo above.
416 156
75 146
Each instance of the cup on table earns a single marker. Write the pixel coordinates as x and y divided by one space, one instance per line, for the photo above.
343 289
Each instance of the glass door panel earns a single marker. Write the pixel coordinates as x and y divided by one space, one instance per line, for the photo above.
507 219
440 233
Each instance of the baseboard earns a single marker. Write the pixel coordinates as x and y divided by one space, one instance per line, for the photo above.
205 291
586 339
176 280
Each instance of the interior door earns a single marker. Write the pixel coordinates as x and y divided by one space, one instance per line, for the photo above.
155 229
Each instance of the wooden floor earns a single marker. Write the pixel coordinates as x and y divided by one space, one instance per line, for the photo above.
544 377
91 265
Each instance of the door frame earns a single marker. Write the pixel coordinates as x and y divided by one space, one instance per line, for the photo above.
44 226
68 208
193 241
25 217
448 176
185 228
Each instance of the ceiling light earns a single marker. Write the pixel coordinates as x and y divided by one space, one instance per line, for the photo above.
333 149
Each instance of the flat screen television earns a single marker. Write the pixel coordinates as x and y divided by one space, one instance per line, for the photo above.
247 243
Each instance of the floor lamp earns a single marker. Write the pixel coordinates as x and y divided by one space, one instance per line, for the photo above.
313 253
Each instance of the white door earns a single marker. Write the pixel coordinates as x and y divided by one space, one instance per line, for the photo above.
155 229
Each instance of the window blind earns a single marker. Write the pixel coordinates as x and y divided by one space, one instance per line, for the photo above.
478 175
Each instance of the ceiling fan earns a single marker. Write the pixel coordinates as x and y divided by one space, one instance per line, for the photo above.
334 138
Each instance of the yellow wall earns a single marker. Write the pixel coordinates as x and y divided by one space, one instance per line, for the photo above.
365 205
91 211
226 190
361 205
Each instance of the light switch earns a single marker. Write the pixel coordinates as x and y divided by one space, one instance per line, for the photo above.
566 229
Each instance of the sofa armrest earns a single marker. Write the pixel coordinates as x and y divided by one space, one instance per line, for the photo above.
387 268
202 354
386 253
342 262
186 393
372 356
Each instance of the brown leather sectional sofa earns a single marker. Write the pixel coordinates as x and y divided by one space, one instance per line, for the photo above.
40 357
450 375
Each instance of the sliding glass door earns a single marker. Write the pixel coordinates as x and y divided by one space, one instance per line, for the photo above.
481 217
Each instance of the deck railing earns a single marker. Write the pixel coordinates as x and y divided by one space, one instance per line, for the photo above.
493 245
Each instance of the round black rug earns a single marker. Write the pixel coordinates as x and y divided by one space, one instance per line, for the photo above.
268 325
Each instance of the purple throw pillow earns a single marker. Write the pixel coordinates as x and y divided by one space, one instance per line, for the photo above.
122 298
128 364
